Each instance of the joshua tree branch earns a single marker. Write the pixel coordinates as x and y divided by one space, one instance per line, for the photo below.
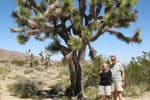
82 6
28 22
51 7
26 31
92 12
119 35
34 6
99 33
41 38
98 9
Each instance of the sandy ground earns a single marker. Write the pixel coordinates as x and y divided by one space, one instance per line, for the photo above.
47 77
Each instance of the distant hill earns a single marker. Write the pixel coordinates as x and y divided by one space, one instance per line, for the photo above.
11 55
14 55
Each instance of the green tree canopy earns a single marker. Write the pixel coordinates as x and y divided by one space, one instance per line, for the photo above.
73 24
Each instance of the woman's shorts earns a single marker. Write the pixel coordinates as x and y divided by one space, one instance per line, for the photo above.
104 90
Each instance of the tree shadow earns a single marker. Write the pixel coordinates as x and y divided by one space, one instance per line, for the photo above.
51 93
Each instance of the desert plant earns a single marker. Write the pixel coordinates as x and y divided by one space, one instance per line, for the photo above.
138 69
73 30
136 89
55 89
35 62
91 92
23 88
29 58
91 72
39 68
18 62
28 71
138 74
64 71
45 58
3 70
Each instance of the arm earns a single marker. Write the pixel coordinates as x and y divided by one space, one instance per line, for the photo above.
111 77
123 78
122 75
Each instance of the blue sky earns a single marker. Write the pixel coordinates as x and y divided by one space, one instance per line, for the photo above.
105 45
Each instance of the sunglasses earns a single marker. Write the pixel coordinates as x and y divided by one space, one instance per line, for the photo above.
113 59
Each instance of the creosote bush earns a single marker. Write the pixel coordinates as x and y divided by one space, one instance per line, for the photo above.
23 88
91 92
138 75
91 72
18 62
3 71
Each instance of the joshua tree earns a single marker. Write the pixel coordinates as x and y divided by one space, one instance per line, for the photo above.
29 57
45 59
72 25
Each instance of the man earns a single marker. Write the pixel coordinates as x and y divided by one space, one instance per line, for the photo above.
118 77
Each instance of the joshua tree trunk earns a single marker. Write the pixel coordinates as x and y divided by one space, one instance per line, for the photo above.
75 76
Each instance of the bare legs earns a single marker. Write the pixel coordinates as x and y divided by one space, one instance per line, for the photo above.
119 94
104 97
114 95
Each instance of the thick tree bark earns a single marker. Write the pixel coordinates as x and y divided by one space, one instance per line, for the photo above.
75 76
72 78
82 53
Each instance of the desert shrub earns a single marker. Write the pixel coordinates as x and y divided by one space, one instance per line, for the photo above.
35 62
91 72
91 92
3 71
28 71
55 89
63 98
18 62
64 71
19 77
59 89
138 70
64 83
132 90
136 89
39 68
23 88
138 75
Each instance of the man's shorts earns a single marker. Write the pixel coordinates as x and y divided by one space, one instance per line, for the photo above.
104 90
117 86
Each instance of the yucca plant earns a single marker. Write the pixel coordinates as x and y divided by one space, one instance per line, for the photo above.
63 20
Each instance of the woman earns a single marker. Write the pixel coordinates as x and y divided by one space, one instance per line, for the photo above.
105 82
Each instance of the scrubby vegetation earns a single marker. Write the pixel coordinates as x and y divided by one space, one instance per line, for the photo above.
91 72
138 75
137 79
3 70
23 88
18 62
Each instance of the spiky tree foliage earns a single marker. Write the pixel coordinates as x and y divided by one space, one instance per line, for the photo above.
73 25
45 58
29 57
